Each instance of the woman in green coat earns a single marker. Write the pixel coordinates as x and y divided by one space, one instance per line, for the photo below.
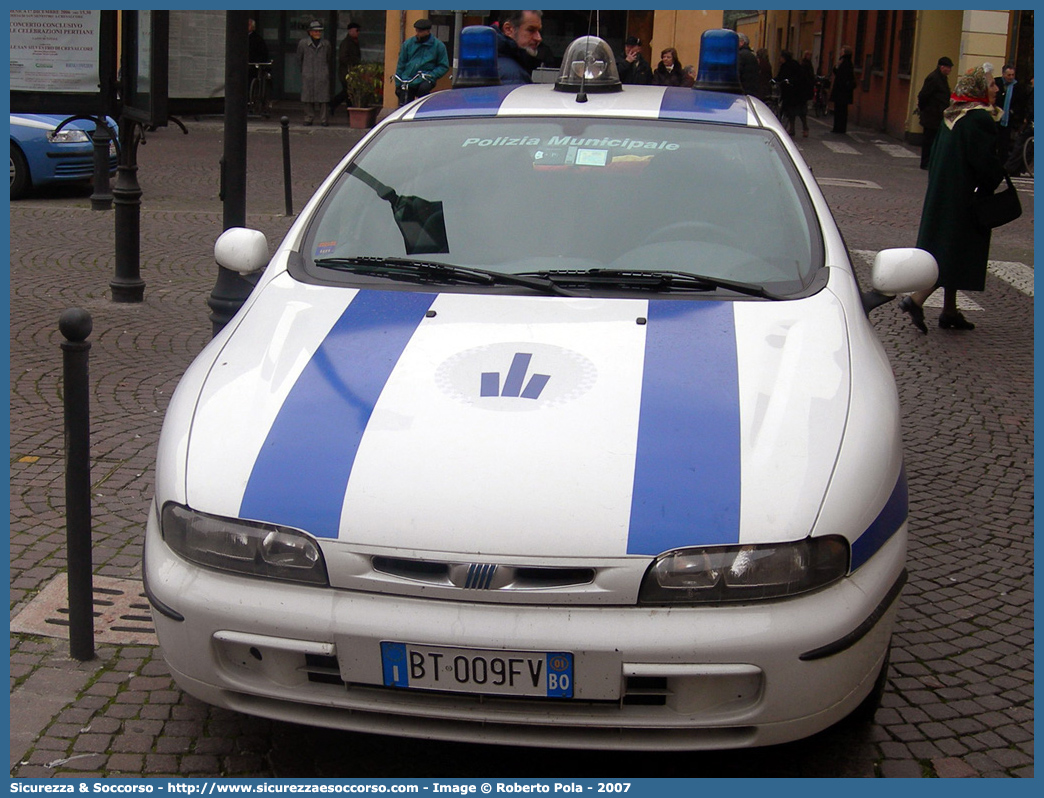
964 158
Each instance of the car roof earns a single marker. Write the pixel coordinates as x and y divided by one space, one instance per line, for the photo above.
631 102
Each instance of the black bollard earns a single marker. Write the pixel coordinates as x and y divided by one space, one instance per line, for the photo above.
287 190
75 324
101 199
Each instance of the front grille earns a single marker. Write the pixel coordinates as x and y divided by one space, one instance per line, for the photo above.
483 576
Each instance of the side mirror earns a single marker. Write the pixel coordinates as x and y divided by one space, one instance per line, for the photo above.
241 250
903 271
899 271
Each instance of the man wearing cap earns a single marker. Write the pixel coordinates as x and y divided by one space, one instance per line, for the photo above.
348 55
932 100
633 68
518 41
422 61
315 59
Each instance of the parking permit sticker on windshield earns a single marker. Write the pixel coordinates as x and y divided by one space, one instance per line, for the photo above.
592 157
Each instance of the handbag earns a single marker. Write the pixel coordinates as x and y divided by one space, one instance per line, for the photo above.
997 208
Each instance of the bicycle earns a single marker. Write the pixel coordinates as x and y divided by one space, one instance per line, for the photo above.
259 95
820 95
775 99
1020 159
417 86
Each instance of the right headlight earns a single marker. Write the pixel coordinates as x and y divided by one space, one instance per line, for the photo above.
244 547
758 572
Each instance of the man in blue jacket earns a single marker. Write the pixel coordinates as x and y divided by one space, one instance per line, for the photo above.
422 61
517 45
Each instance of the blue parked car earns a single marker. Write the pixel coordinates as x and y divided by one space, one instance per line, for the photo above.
40 156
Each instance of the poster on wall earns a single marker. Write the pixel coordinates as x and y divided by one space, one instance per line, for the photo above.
197 54
55 51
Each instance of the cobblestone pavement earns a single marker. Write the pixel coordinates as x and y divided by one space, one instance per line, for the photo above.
960 696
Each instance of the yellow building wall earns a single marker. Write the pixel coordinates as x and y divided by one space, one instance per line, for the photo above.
682 30
938 34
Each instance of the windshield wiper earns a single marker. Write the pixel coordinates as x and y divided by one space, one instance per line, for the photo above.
659 280
429 271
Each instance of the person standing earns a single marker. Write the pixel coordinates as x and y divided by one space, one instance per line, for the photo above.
792 92
843 90
964 159
1011 99
748 67
519 46
633 68
932 100
257 52
669 71
808 72
315 60
422 61
348 55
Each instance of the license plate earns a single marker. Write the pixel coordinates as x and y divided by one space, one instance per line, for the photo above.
468 670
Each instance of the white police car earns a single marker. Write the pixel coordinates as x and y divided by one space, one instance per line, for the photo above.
556 419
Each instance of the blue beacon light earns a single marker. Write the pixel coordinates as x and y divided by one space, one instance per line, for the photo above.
719 62
477 64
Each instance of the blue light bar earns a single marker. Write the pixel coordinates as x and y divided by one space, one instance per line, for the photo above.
719 61
477 63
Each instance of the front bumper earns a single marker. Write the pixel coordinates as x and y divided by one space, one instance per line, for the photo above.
685 678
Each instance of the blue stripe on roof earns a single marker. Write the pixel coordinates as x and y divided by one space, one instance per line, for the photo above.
687 467
301 473
694 105
887 523
481 101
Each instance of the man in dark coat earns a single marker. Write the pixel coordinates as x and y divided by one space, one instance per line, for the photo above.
793 92
748 67
257 51
932 100
349 54
518 46
964 159
843 90
633 68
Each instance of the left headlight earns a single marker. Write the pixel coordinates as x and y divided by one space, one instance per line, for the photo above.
68 136
245 547
744 573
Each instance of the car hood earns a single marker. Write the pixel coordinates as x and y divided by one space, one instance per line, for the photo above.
521 425
51 121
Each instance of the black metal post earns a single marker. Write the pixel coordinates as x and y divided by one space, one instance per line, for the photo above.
76 324
127 285
101 199
231 289
287 189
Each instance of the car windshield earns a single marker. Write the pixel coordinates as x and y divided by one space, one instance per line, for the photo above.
564 196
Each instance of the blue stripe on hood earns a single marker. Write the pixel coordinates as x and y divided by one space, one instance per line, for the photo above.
480 101
687 467
301 473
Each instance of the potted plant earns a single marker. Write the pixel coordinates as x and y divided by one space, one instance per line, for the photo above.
364 85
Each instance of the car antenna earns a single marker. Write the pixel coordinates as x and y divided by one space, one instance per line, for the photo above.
581 95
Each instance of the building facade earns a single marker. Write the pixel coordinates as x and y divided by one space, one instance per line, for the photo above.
895 50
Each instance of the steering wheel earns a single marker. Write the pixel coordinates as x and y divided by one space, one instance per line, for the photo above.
693 231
